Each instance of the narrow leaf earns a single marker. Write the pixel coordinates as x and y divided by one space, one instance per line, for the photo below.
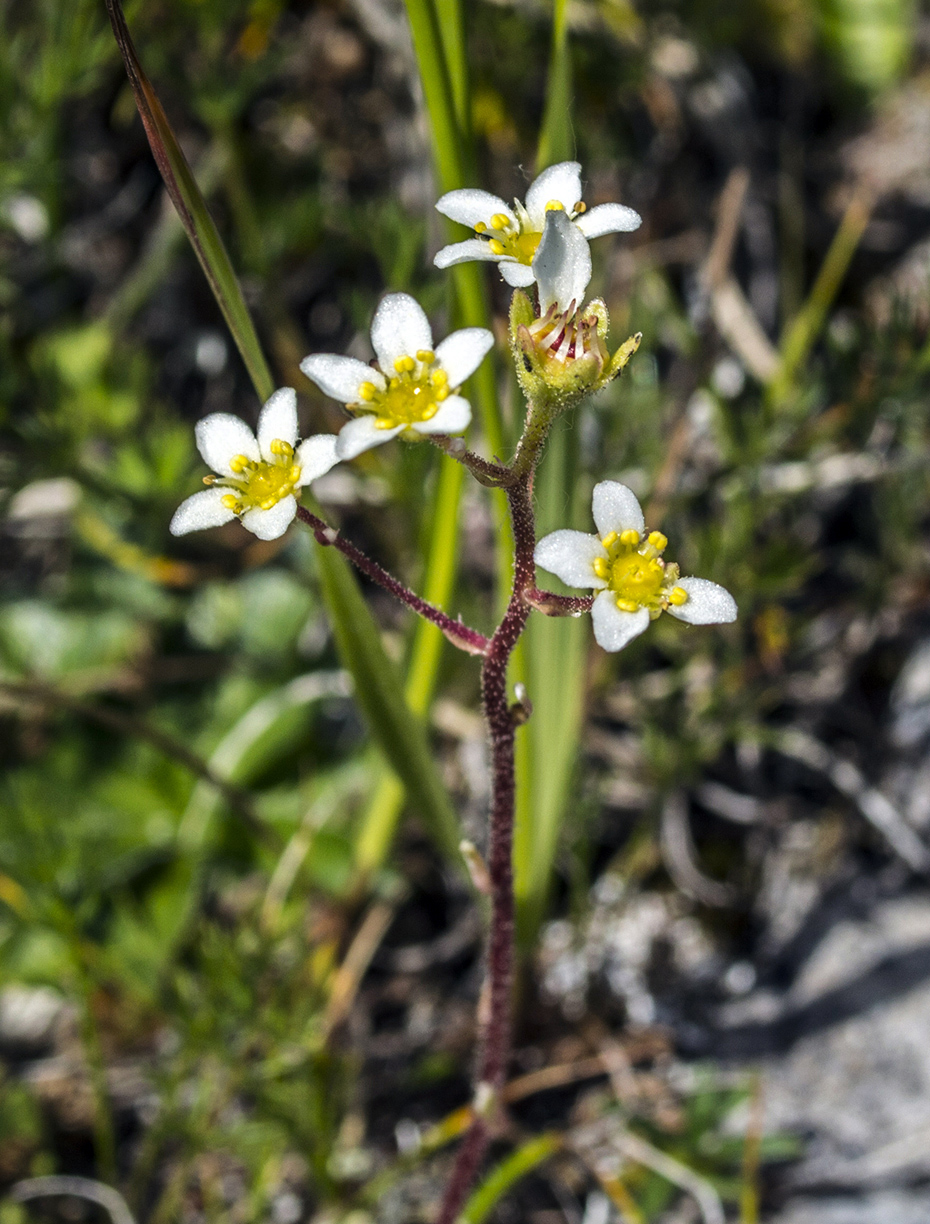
192 209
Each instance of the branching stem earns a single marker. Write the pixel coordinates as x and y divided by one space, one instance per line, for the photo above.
469 640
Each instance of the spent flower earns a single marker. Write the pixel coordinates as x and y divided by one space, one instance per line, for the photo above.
258 476
412 389
512 237
560 352
624 564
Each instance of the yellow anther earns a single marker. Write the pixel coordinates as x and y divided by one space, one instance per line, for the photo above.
610 538
678 596
441 393
231 502
427 356
627 605
293 473
238 464
439 378
384 422
658 540
366 391
555 206
405 365
500 221
431 410
629 537
600 567
280 447
209 480
580 207
481 228
496 247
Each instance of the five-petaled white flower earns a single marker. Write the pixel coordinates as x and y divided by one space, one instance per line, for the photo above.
413 389
626 566
258 476
511 237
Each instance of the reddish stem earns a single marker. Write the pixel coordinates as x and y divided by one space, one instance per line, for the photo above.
495 1045
469 640
551 604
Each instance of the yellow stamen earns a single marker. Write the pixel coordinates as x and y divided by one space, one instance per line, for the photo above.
405 365
427 356
627 605
630 537
366 391
678 596
555 206
601 568
279 447
496 247
500 221
658 540
580 207
610 538
481 228
238 464
231 502
439 378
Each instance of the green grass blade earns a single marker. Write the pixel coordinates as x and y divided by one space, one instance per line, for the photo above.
380 694
555 138
505 1175
192 209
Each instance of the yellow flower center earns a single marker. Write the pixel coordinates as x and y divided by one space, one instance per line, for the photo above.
514 238
259 485
413 393
637 575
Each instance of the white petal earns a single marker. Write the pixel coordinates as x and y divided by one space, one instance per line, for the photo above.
562 264
462 252
469 206
562 183
269 524
613 629
570 555
220 436
608 219
399 329
201 511
708 603
316 456
278 421
517 275
616 508
361 435
461 353
453 417
339 377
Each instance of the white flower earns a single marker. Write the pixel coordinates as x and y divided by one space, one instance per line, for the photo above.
625 565
413 389
257 475
511 237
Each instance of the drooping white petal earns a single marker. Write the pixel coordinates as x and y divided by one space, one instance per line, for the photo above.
708 603
613 629
469 206
278 421
616 508
608 219
561 182
400 328
462 252
316 456
562 264
340 377
220 436
517 275
461 353
361 435
453 417
201 511
269 524
570 555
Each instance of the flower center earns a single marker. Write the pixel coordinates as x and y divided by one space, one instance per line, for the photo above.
635 572
565 336
515 238
259 485
413 393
